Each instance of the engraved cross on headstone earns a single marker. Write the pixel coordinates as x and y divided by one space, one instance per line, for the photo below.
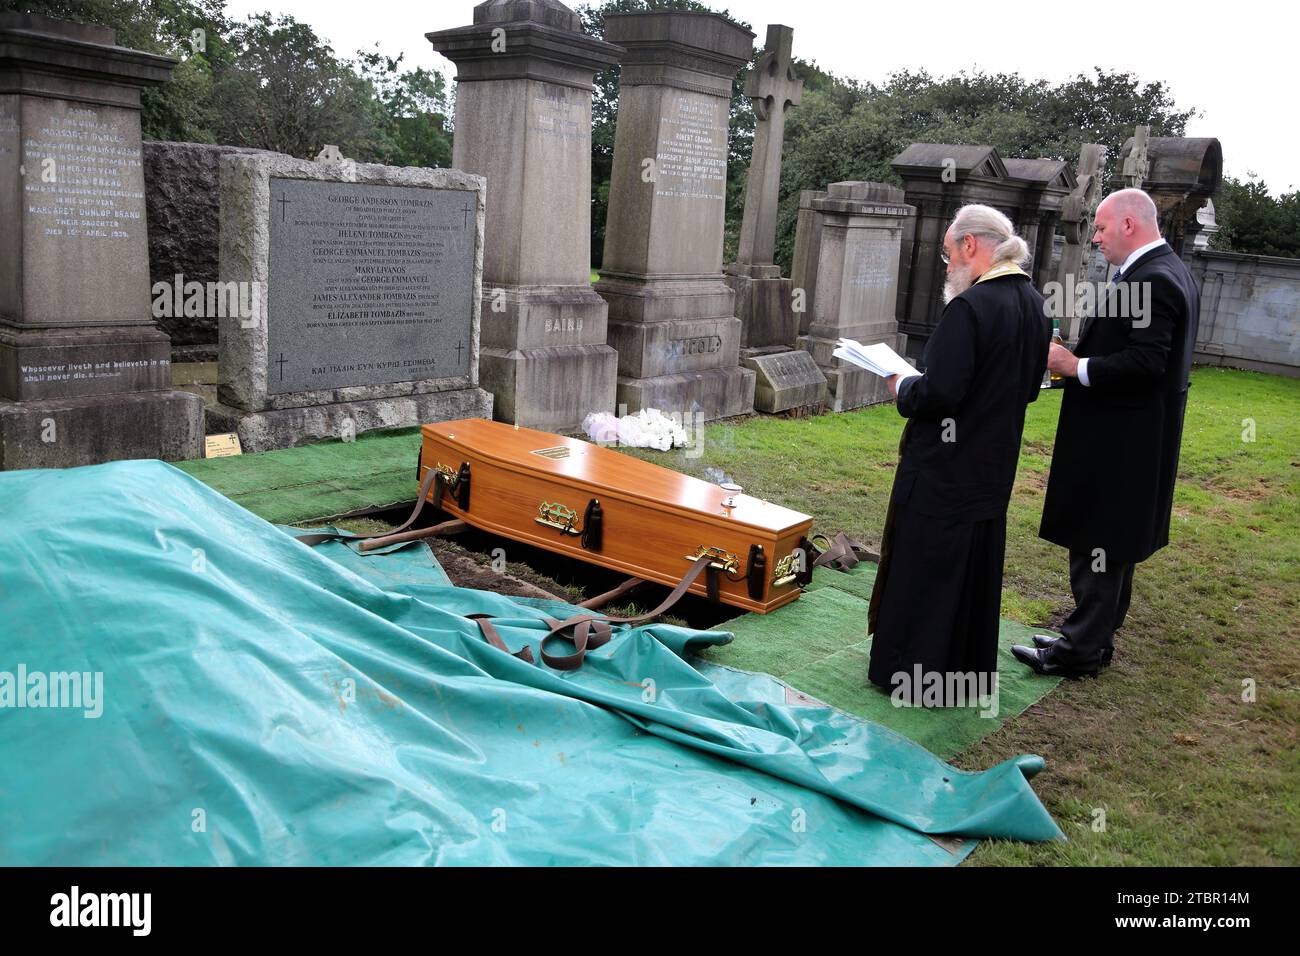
773 88
281 361
467 210
283 202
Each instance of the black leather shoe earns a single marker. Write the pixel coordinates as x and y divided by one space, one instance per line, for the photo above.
1033 658
1044 641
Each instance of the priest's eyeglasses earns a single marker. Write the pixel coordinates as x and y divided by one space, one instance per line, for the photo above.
945 258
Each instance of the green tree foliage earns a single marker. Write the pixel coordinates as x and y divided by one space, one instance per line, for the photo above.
193 31
845 130
286 91
1253 222
412 116
270 83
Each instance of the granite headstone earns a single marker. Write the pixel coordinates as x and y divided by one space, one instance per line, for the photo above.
525 75
85 376
367 280
671 316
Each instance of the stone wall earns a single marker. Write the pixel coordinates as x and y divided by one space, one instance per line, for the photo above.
182 205
1250 311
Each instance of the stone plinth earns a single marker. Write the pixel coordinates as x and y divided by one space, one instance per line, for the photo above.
525 75
671 316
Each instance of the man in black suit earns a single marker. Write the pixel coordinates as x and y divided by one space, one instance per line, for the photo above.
938 591
1111 488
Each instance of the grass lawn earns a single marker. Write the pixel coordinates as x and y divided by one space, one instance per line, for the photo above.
1161 761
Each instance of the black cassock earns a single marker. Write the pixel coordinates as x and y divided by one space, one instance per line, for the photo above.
939 587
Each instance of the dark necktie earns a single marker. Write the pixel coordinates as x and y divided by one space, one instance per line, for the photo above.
1118 273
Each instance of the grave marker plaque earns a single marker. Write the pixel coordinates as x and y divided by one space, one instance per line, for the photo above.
367 281
368 284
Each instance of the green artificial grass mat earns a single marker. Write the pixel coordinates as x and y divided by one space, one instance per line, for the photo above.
321 481
818 645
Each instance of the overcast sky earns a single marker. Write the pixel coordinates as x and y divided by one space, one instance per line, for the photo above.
1235 62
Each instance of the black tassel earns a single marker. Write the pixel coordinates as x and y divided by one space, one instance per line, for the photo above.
462 486
593 526
757 571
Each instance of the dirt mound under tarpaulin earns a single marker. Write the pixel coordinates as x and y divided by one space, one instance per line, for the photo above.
267 703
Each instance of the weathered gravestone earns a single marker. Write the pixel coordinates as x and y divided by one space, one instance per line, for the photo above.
671 317
523 121
85 376
764 300
367 280
857 285
807 250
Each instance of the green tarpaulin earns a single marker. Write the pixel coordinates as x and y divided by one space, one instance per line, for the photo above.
267 703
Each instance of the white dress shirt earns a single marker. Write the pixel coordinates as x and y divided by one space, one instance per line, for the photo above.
1133 257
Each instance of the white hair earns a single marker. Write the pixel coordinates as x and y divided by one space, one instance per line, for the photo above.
986 222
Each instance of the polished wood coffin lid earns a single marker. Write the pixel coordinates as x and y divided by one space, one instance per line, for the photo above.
611 474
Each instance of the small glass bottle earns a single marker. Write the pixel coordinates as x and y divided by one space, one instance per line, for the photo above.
1050 378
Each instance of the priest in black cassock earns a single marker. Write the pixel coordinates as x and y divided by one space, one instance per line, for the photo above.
934 610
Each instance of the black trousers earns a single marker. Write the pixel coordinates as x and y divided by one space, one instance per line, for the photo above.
1101 600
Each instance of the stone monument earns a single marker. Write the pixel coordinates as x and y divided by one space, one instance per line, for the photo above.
671 316
940 178
367 281
807 250
857 285
85 376
1076 225
1180 174
524 79
764 300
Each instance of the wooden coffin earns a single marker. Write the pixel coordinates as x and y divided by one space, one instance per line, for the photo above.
599 505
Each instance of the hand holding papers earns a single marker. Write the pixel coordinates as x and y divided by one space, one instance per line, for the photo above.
878 358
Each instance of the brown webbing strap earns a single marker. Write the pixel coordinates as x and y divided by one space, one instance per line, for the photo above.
589 631
311 540
843 552
493 637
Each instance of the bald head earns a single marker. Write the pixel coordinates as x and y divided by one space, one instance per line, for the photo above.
1126 220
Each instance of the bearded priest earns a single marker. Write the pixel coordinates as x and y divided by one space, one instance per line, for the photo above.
934 610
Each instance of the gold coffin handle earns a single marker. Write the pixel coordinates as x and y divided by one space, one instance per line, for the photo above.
553 514
721 559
